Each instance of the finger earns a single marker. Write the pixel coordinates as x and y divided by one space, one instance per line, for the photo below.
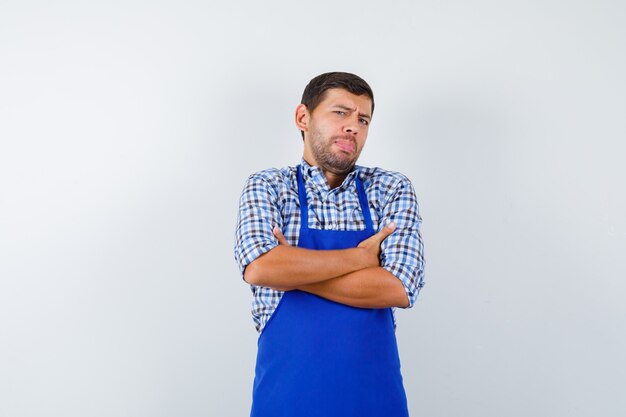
279 235
386 231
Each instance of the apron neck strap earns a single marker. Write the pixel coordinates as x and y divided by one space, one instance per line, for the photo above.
365 207
304 207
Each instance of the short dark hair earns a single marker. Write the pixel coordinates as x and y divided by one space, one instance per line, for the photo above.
315 90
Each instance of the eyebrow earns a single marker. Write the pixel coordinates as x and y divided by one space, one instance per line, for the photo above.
342 107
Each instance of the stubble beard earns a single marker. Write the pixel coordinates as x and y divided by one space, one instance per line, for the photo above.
337 163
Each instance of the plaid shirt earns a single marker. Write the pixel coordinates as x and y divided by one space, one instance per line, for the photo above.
270 198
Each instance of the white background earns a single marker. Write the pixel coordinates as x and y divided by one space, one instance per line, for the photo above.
127 130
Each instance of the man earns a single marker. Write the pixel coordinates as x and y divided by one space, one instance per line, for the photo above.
324 282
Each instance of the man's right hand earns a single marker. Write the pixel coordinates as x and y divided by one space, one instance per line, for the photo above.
371 245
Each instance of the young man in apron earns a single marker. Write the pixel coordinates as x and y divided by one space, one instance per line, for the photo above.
330 249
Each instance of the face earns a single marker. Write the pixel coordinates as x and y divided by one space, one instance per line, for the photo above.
336 130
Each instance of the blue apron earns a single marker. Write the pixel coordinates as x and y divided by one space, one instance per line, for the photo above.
319 358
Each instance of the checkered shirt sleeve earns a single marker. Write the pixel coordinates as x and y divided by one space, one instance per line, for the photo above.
402 253
258 214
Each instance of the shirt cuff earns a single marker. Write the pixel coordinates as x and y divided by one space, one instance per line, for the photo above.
254 252
411 294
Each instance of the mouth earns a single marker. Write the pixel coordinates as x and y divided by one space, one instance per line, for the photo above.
346 145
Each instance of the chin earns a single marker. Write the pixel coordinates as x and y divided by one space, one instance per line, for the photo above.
343 168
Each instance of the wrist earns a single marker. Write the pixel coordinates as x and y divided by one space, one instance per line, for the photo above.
359 258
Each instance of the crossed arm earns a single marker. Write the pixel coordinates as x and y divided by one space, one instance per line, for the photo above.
348 276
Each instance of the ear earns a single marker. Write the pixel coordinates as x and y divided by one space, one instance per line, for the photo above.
302 118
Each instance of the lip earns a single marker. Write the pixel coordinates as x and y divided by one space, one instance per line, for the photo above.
345 145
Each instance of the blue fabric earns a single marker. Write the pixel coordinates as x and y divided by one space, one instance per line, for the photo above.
318 358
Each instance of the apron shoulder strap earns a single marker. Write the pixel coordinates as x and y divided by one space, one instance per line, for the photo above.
365 207
304 208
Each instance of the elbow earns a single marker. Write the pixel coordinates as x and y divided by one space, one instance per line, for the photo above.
401 299
410 296
251 274
256 273
404 301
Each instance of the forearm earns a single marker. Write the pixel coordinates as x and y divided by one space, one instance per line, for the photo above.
287 267
373 287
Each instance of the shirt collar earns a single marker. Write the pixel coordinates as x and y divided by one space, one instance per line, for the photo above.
313 174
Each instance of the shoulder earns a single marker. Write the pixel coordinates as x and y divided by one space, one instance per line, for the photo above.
392 194
376 176
271 180
385 188
273 176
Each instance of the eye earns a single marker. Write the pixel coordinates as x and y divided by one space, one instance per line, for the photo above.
364 122
340 113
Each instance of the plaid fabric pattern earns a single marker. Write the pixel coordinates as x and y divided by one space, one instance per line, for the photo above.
270 198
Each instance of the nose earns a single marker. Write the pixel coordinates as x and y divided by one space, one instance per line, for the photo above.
352 126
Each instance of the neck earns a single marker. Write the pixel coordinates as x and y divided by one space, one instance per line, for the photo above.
333 179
